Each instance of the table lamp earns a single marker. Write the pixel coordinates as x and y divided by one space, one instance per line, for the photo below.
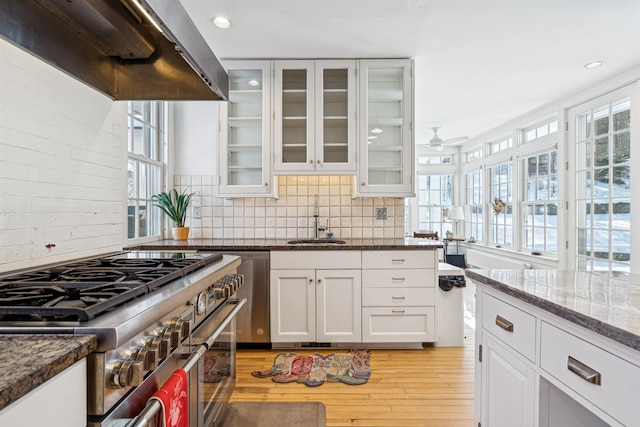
456 215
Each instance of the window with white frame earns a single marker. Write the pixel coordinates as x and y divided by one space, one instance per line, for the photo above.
434 201
501 197
541 130
425 159
603 187
500 145
474 155
474 205
146 131
540 202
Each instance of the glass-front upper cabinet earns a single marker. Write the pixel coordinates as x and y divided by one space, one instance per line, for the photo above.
245 131
386 128
315 112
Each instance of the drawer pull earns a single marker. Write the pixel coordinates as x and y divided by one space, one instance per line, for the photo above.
398 279
583 371
397 260
397 297
397 311
504 324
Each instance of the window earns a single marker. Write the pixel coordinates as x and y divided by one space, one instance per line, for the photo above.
434 202
540 130
474 155
540 206
603 187
500 145
435 160
501 221
146 130
474 214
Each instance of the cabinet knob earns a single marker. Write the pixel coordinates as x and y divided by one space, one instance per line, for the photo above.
310 280
319 280
266 184
362 183
318 161
310 161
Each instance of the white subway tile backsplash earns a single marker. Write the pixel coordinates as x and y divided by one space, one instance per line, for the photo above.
291 216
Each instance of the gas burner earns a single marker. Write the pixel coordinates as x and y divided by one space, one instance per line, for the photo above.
72 301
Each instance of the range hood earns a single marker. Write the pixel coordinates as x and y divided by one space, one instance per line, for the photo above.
114 47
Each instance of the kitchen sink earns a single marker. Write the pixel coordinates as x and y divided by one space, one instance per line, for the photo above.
316 242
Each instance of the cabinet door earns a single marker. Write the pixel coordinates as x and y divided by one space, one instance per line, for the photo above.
335 108
338 302
292 304
386 122
508 387
244 149
294 116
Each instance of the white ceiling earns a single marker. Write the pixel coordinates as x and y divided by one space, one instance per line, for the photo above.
478 63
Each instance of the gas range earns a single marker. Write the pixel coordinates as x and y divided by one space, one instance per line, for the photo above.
142 306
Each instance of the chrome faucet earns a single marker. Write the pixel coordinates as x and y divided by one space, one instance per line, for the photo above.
316 227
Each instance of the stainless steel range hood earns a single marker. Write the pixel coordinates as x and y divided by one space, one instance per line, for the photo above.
115 48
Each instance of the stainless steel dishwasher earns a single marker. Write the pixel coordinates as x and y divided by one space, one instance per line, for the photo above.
252 322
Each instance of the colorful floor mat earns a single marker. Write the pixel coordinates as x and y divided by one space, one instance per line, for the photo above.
353 368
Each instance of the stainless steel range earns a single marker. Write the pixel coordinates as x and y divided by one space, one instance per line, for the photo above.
151 311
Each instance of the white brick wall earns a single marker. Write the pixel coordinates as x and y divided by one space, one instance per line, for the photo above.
62 165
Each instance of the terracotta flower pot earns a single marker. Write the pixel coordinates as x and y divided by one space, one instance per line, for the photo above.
180 233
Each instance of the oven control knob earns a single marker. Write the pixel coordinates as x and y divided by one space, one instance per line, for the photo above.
127 373
149 355
186 328
164 342
176 332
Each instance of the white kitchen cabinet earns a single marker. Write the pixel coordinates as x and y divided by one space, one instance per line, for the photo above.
244 129
386 165
536 369
59 402
508 386
398 296
315 116
319 300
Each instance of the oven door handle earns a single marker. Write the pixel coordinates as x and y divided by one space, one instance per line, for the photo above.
150 411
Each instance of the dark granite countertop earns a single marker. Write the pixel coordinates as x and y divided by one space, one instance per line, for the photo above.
281 244
27 361
608 304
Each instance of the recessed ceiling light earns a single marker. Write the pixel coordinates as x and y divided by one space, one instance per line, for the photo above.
221 22
376 130
595 64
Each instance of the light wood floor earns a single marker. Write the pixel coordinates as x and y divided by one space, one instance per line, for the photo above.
428 387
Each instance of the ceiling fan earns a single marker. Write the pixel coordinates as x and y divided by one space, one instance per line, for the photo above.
436 143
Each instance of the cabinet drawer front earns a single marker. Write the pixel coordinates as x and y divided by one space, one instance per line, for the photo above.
512 325
617 393
287 260
401 324
402 297
407 278
398 259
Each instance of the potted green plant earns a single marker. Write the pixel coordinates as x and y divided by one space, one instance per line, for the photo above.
175 206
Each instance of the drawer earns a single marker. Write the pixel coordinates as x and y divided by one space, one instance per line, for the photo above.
295 260
617 393
402 297
512 325
409 278
400 324
399 259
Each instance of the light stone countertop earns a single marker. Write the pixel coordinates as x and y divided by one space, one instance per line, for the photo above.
608 304
27 361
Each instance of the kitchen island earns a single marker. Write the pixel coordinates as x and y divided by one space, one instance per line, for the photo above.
556 348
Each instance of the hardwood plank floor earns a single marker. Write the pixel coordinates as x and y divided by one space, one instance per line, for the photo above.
428 387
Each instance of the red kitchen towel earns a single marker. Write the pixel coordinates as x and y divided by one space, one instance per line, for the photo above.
174 399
